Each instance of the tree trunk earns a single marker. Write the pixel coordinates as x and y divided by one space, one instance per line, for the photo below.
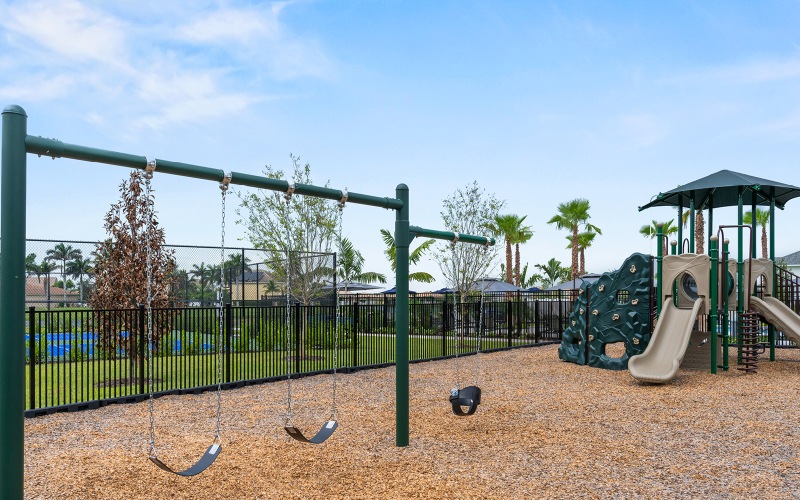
509 268
764 241
516 264
699 232
574 252
583 262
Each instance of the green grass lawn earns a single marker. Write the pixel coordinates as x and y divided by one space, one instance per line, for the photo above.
65 382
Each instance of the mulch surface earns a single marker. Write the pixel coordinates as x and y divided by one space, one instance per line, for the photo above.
545 429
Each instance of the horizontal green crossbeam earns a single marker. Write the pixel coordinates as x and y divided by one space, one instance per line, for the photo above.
57 149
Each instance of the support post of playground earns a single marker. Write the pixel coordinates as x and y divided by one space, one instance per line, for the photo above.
402 241
12 302
659 258
771 329
725 304
713 306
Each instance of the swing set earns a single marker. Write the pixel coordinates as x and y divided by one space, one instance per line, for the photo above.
16 144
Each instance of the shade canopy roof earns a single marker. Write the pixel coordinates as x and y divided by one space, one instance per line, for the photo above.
722 189
495 285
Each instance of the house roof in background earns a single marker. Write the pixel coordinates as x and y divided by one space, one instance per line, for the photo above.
793 259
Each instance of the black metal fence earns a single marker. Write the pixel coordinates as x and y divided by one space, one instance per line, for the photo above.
87 358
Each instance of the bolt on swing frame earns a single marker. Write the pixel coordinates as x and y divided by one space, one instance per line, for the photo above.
16 144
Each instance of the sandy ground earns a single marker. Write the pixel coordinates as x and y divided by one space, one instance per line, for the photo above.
546 428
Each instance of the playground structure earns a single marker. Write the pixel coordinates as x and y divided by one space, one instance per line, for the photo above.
690 285
16 144
614 309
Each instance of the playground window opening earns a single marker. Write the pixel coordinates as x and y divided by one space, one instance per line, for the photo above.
623 296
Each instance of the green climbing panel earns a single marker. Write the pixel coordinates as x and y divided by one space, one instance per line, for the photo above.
618 311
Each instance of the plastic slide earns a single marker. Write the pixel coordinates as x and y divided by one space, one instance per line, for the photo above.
779 315
660 361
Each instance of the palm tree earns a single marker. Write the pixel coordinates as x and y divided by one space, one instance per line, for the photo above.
235 265
46 267
584 241
507 226
350 264
651 231
201 270
30 263
571 215
62 252
78 268
413 257
699 229
553 272
762 218
524 235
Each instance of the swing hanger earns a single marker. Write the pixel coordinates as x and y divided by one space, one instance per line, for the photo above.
456 236
226 179
343 199
149 168
289 192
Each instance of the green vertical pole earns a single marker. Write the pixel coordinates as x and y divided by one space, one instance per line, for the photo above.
725 304
774 270
680 226
740 258
402 240
12 302
740 274
673 247
659 258
691 223
710 220
753 222
713 305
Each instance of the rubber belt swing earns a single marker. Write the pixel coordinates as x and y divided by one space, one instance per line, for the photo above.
329 427
205 461
326 431
213 451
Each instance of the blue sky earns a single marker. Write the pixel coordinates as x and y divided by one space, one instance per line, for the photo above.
539 102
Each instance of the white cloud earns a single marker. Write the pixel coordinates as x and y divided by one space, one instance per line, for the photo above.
163 63
749 72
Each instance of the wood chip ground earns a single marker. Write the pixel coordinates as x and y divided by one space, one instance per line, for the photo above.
545 429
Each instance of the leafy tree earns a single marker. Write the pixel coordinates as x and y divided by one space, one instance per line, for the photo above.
762 219
571 216
121 270
298 236
468 210
204 272
350 265
63 253
30 263
553 273
234 265
652 230
414 257
79 268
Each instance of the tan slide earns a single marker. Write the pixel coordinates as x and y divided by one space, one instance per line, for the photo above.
779 315
661 359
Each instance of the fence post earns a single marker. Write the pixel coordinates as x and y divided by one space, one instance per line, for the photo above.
355 332
536 327
509 321
297 336
228 329
141 340
445 317
32 331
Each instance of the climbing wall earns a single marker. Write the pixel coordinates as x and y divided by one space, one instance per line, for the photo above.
618 306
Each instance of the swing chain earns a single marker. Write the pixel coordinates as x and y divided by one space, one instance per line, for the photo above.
288 198
223 186
337 321
151 166
480 331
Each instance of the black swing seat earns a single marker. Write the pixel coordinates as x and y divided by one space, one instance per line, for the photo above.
469 397
205 461
327 430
